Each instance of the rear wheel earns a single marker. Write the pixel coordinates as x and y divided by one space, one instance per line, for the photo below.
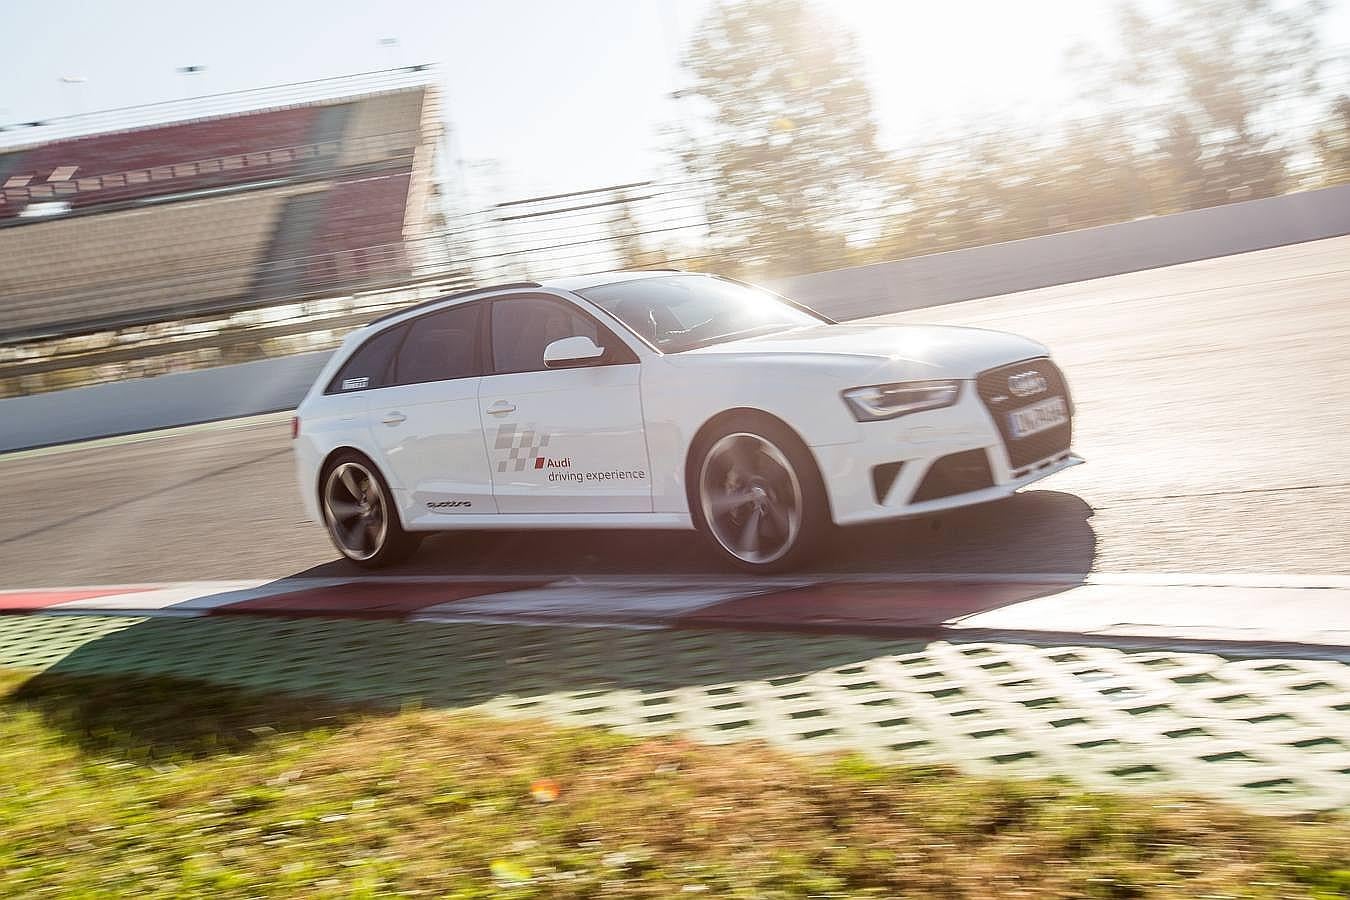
359 512
758 497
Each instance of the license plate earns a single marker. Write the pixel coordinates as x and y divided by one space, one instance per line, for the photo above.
1038 417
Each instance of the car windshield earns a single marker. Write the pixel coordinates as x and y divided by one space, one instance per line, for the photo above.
682 312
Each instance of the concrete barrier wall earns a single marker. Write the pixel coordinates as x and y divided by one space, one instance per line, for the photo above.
1074 255
269 385
181 398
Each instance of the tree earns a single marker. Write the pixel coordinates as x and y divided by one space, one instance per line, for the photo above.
788 149
626 236
1210 87
1004 183
1332 143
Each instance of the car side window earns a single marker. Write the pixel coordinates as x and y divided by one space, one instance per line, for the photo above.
369 367
441 346
523 326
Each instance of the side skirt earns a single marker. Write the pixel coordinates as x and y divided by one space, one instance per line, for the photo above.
561 521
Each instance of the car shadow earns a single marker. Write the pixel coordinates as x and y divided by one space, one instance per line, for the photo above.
150 716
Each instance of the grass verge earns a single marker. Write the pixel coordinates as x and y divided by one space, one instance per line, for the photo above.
156 787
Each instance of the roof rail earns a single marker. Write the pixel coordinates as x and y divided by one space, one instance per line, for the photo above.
485 289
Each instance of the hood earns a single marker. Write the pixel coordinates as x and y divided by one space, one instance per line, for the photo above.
945 351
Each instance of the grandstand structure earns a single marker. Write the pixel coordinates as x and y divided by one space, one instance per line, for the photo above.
237 206
261 223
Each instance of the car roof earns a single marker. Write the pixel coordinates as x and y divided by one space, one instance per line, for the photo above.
571 283
596 279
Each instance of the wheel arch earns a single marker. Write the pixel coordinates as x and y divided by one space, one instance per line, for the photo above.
709 427
321 473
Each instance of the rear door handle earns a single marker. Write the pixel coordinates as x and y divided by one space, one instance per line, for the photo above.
501 408
394 418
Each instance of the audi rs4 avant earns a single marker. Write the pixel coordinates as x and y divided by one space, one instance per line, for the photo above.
665 400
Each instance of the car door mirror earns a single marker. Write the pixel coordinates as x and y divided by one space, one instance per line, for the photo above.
567 352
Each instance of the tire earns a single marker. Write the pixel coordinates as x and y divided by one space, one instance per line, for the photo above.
359 513
756 495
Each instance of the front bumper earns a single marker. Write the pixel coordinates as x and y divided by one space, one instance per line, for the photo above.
901 468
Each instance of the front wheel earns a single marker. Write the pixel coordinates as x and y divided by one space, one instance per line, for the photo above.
758 497
359 512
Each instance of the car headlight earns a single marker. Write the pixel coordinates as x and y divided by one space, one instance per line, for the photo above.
887 401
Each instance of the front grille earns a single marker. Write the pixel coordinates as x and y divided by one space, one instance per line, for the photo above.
994 392
956 473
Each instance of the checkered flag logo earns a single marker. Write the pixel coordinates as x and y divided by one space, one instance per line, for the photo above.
522 446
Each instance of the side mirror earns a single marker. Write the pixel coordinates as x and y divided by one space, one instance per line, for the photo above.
568 352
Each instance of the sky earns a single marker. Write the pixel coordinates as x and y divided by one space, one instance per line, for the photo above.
542 96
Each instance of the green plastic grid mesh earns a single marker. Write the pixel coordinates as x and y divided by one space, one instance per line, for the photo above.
1269 733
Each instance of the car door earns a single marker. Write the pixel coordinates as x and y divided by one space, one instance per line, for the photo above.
426 423
563 440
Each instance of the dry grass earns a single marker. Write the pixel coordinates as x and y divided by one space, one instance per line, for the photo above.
113 787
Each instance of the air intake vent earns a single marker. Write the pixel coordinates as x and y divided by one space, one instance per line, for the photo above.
883 477
958 473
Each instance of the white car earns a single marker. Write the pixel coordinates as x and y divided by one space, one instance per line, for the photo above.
665 400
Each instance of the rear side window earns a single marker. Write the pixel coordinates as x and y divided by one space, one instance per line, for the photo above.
369 367
441 346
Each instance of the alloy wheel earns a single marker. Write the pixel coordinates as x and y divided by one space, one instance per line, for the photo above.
355 509
751 498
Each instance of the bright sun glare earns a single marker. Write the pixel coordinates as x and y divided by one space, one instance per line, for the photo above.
937 65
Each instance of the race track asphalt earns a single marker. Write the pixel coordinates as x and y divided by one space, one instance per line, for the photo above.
1213 406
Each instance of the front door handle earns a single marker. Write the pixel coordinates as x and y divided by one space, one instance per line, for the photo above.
394 418
501 408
